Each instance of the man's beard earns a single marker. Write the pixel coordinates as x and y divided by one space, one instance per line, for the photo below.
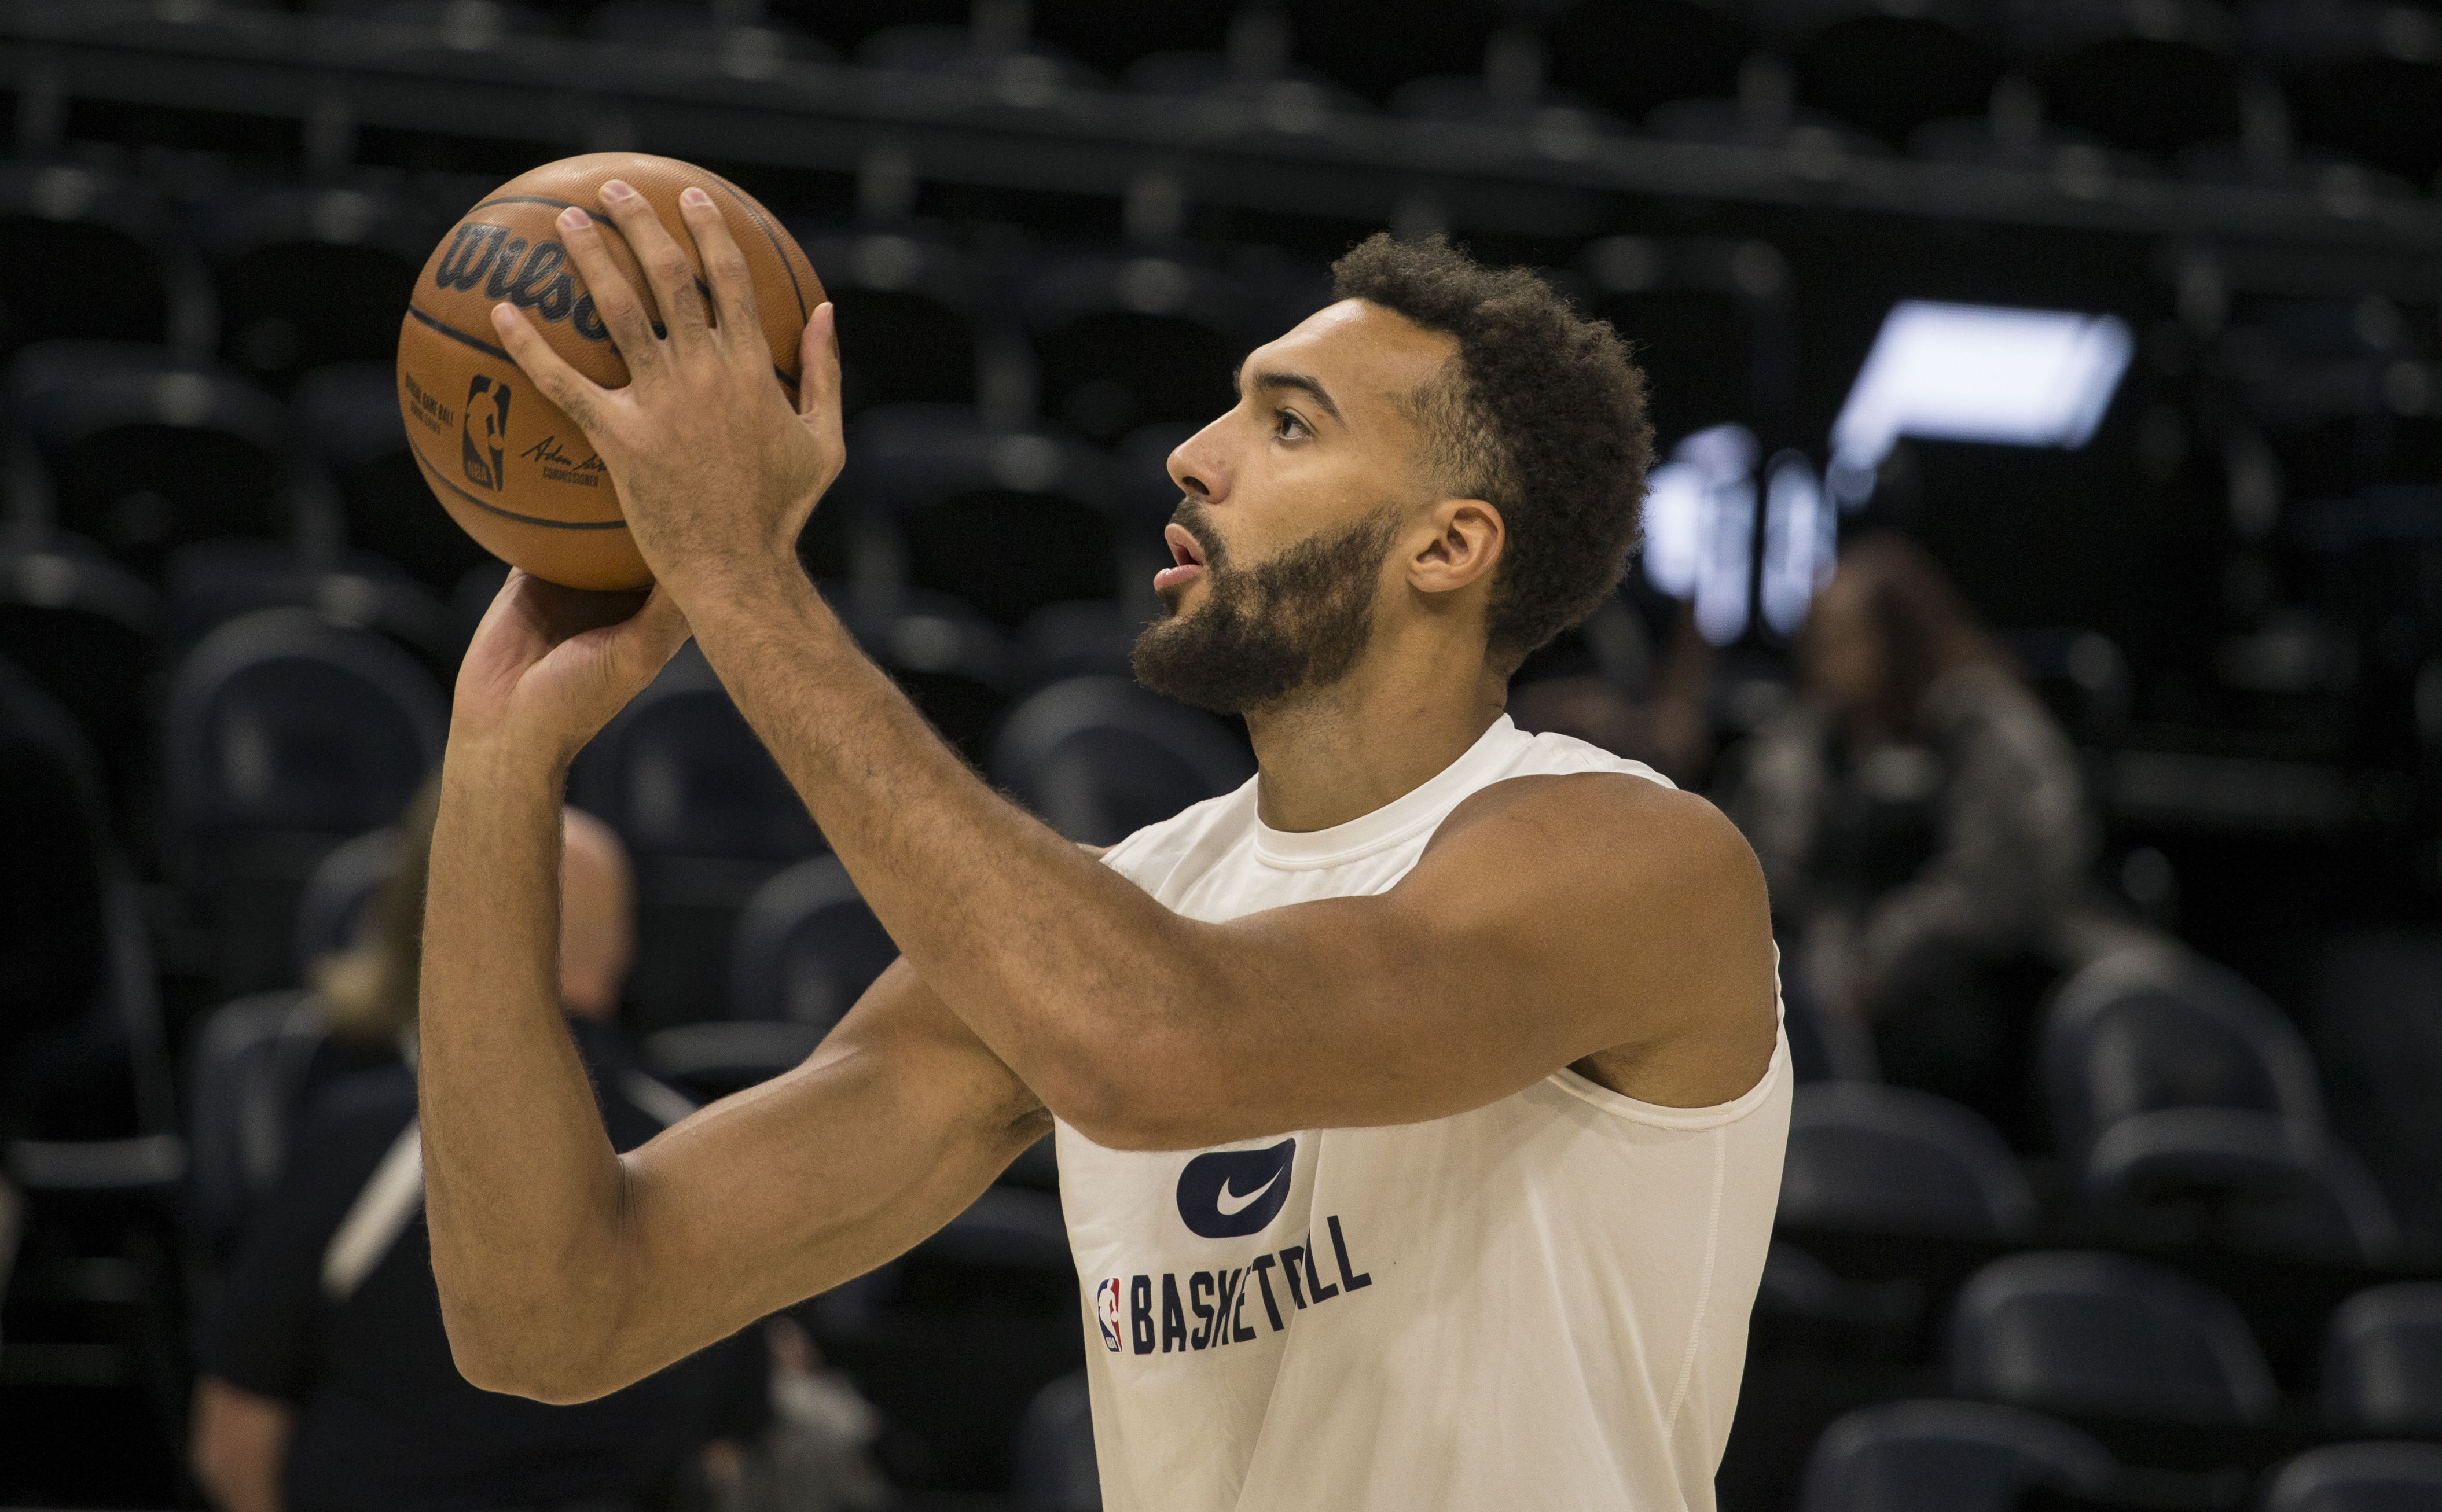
1298 621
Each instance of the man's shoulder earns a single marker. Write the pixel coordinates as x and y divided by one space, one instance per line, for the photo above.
1596 844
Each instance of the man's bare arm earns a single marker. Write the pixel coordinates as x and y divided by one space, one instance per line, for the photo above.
1137 1026
565 1270
240 1446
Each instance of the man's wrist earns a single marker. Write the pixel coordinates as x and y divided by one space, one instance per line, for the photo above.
500 756
755 591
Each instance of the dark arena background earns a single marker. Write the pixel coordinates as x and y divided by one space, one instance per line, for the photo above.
2124 312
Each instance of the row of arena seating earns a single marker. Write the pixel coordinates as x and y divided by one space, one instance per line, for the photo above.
2158 81
1908 1456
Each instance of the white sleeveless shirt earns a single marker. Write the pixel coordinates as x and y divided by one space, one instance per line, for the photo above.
1540 1303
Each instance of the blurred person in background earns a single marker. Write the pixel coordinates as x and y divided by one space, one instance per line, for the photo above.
327 1377
1614 696
1924 827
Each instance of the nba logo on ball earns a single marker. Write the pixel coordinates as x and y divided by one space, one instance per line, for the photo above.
1107 1312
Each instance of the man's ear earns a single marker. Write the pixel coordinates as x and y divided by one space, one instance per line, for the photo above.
1466 545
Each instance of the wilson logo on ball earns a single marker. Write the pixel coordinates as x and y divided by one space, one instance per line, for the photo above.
532 277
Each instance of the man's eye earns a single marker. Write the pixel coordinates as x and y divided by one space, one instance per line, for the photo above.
1286 425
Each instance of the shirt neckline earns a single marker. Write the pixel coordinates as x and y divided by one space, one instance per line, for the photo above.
1420 807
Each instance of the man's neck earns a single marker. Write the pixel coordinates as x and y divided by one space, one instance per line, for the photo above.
1411 707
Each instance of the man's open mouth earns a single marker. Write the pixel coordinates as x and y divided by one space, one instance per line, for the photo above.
1187 559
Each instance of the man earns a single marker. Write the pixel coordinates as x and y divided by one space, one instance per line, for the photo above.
1419 1105
326 1379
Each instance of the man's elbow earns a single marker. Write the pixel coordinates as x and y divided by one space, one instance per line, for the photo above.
1116 1109
558 1367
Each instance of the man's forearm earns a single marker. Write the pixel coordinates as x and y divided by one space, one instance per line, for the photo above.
240 1446
1035 945
522 1185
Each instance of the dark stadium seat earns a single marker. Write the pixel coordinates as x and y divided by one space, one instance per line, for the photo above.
1253 83
333 904
2382 1360
81 1033
1891 1158
348 429
1765 113
1016 67
312 274
88 1131
448 26
1710 317
2102 1333
1108 35
1085 639
2152 1027
1100 757
1056 1470
2149 80
148 451
1006 520
86 254
906 306
2362 80
2238 1177
248 1074
730 41
956 666
1881 69
287 735
1128 341
1634 55
2012 132
1947 1457
87 628
712 1059
707 817
2358 1478
208 583
1350 44
2377 1028
807 947
1864 1316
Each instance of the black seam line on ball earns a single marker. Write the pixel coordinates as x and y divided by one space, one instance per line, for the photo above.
456 335
523 199
490 350
779 251
511 514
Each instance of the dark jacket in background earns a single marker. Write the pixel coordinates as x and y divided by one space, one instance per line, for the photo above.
385 1422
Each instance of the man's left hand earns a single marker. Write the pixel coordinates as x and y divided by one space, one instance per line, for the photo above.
715 473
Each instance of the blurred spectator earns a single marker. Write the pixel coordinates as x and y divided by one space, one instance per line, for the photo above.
813 1456
1597 683
1923 825
327 1378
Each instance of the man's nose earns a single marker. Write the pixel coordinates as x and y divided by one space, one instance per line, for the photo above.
1197 466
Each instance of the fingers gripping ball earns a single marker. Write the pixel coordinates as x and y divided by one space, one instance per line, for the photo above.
512 468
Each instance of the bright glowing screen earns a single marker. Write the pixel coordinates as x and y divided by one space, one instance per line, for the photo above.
1979 373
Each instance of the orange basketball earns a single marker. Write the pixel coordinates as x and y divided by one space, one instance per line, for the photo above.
506 463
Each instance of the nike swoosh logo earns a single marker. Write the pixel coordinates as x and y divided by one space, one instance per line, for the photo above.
1229 1202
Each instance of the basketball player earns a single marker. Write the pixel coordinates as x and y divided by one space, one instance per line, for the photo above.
1419 1105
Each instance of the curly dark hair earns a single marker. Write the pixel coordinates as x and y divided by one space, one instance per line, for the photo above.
1541 415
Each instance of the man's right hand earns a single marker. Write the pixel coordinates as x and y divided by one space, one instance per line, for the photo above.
550 665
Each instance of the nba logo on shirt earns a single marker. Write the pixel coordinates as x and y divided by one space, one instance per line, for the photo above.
1106 1311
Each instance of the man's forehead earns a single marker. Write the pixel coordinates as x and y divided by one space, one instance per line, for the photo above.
1358 350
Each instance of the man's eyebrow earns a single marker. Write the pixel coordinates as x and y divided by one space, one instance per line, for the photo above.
1292 380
